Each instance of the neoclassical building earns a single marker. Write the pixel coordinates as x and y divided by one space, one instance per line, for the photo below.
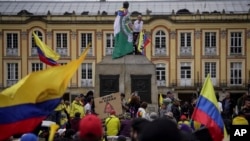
189 39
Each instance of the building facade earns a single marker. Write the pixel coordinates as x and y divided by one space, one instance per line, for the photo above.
188 40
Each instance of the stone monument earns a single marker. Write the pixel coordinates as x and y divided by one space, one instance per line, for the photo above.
126 75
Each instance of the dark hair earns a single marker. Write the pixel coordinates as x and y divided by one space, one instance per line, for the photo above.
144 105
161 129
138 124
89 93
122 94
125 4
77 114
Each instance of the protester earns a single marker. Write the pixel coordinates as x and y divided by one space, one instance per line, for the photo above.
142 111
124 103
90 128
138 124
77 106
125 125
138 26
123 33
88 105
75 122
240 119
112 124
161 129
246 108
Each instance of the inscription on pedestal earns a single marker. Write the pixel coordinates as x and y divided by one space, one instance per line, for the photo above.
142 84
109 84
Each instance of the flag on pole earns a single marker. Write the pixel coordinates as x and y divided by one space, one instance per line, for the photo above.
24 105
123 35
160 99
45 53
207 112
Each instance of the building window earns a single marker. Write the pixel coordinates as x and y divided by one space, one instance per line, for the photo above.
62 44
12 73
36 67
185 74
236 43
210 68
160 43
86 74
235 73
110 43
86 38
185 48
210 43
33 43
12 44
161 74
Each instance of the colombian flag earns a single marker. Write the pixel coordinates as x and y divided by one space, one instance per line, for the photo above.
207 113
45 53
24 105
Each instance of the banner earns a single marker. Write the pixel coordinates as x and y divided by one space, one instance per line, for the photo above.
104 104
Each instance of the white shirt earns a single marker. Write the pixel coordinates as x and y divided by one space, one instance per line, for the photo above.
220 107
142 112
138 26
87 108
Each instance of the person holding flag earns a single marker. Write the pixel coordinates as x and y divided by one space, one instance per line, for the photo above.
207 112
123 33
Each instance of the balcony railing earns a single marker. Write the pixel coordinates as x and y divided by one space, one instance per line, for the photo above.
109 50
12 51
160 51
86 83
218 84
11 82
185 51
62 51
34 51
90 52
161 82
210 50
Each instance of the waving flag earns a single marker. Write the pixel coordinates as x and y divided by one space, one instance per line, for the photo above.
123 35
24 105
207 113
45 53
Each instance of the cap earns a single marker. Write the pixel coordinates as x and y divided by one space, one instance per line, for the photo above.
240 121
90 127
29 137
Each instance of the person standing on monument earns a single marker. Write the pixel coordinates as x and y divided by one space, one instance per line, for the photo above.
123 33
138 26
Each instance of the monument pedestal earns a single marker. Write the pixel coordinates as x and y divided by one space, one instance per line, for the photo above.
126 75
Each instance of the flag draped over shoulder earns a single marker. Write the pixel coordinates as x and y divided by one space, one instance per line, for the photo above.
24 105
45 53
207 113
123 35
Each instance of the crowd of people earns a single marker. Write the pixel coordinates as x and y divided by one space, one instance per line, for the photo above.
78 122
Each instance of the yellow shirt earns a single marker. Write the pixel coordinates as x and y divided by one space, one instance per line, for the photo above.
113 125
77 107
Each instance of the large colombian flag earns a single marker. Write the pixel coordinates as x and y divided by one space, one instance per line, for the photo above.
24 105
45 53
207 113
